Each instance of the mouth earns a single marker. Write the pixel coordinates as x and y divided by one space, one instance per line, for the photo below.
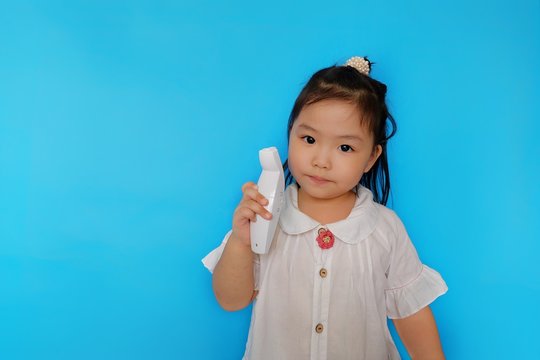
318 180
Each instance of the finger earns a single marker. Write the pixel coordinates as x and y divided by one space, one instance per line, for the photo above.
253 194
251 190
257 209
249 184
244 214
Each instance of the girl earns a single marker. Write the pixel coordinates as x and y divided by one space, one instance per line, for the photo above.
340 262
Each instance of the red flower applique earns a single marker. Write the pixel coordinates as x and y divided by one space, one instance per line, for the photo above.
325 239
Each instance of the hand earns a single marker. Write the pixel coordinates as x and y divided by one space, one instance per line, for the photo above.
251 205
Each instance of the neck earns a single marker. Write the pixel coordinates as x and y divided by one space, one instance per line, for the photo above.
326 211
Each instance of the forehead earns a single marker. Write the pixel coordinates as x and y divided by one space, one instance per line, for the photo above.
332 116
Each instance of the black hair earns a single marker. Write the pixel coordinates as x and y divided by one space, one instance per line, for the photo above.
349 84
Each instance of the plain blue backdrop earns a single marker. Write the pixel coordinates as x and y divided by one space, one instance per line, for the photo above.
128 127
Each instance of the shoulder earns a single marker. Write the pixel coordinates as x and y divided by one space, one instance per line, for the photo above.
383 222
389 228
388 219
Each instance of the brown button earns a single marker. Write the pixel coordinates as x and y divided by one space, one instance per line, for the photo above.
319 328
323 272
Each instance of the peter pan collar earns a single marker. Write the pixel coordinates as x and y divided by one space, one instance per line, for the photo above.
357 226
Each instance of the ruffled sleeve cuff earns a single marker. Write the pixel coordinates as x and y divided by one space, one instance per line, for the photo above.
210 261
419 293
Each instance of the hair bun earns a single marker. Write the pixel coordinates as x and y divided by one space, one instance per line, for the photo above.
362 64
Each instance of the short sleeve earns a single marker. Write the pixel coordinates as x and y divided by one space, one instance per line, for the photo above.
210 261
411 285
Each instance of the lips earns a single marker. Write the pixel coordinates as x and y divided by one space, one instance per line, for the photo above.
318 180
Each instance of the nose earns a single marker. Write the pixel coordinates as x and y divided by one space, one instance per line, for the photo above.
321 159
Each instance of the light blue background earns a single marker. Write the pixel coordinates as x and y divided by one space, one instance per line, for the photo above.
127 129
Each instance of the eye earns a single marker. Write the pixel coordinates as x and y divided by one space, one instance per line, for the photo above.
308 139
345 148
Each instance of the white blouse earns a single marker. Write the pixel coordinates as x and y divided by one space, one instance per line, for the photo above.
334 303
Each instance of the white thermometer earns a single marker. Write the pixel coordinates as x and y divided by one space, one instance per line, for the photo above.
271 185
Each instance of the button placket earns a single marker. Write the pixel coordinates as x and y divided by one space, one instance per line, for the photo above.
321 300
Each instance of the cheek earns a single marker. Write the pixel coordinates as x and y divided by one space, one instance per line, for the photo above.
356 176
354 171
293 158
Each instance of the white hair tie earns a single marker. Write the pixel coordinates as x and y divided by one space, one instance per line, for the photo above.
361 64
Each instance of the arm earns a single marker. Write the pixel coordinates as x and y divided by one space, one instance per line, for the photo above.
419 334
232 279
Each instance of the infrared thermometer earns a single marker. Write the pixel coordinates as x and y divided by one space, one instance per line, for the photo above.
271 185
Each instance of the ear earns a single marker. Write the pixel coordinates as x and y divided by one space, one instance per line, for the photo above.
377 151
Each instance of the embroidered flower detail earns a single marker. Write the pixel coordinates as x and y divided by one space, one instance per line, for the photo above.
325 239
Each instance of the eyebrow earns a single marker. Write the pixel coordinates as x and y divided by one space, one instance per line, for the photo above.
345 137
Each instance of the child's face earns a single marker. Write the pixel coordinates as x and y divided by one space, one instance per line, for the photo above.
329 150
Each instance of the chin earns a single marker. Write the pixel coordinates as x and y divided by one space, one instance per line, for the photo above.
319 192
